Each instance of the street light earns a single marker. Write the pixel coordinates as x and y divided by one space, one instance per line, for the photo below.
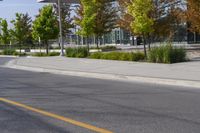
60 18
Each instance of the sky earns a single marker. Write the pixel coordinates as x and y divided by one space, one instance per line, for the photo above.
8 8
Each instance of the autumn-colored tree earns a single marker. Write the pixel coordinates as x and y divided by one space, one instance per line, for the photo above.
193 14
166 15
125 18
105 19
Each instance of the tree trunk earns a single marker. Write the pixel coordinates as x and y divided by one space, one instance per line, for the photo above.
47 47
97 42
149 42
144 43
20 48
100 41
88 47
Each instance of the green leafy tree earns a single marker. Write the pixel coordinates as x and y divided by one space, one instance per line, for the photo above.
45 26
22 29
87 20
142 23
4 34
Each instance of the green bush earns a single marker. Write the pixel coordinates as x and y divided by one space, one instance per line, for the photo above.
111 56
54 54
40 54
96 55
108 48
70 52
8 51
123 56
80 52
16 53
138 56
44 54
12 52
167 54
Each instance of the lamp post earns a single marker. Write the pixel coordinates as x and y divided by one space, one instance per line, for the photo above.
60 18
60 29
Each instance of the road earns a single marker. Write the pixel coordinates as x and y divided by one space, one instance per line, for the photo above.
114 106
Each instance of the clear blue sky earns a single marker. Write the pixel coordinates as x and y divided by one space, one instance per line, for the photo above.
8 8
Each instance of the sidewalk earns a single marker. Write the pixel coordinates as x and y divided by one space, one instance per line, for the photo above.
181 74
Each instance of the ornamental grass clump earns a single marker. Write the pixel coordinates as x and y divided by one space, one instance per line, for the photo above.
167 54
79 52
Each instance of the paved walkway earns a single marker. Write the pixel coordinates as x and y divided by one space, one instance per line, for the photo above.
189 71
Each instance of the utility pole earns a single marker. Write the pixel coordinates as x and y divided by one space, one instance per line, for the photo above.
60 29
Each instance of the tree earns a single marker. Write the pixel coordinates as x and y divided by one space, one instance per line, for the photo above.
22 28
193 15
165 13
45 26
142 23
87 20
105 19
4 34
125 19
66 18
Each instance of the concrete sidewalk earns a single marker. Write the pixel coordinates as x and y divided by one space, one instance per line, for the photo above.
181 74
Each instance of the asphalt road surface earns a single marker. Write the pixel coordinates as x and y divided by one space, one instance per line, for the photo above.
114 106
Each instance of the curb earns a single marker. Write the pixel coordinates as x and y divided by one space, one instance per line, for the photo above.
11 56
124 78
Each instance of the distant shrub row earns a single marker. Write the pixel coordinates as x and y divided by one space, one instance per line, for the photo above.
44 54
123 56
12 52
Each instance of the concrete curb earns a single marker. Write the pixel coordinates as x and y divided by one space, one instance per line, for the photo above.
124 78
11 56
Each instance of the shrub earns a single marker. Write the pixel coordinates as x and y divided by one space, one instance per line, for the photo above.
125 56
80 52
19 54
167 54
22 54
108 48
138 56
9 51
40 54
54 54
71 52
44 54
118 56
96 55
111 56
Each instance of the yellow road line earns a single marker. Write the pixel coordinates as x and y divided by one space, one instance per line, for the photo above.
58 117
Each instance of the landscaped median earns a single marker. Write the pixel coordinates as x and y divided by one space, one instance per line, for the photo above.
165 53
82 52
162 54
